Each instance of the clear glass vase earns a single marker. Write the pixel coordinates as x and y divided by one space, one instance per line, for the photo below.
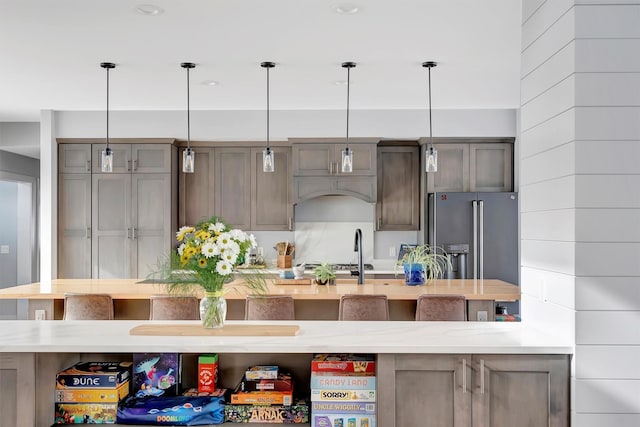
213 310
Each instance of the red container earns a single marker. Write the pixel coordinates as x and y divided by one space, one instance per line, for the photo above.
207 373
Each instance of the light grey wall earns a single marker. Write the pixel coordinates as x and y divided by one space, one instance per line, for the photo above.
21 138
20 165
579 183
8 237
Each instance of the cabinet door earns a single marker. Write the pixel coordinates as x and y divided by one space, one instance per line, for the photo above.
150 222
196 190
424 390
364 159
521 390
313 159
74 226
121 158
151 158
110 251
398 206
453 169
232 183
74 158
490 167
18 379
271 208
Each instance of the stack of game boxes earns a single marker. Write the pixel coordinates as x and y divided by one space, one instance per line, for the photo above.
89 392
343 390
265 395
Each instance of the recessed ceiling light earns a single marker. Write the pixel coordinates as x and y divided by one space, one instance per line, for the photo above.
210 83
346 8
149 9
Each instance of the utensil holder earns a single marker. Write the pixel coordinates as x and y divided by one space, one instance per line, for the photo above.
284 261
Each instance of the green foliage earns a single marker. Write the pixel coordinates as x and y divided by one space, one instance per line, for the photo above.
324 272
434 261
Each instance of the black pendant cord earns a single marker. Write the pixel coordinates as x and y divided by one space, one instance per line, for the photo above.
348 86
188 116
268 148
430 121
107 109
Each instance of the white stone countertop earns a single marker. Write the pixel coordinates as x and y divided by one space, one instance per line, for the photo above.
314 337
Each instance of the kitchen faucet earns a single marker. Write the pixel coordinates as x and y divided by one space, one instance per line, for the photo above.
358 248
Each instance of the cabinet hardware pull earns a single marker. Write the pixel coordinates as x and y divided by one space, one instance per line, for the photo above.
330 168
135 165
133 233
379 223
464 375
481 376
88 165
290 223
88 234
129 165
128 233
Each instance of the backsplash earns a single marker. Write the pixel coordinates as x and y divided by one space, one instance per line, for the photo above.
332 241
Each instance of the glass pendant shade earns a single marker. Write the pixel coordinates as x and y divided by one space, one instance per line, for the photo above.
432 160
188 160
107 160
347 160
268 160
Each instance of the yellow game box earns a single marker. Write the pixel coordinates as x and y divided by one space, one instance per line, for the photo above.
92 395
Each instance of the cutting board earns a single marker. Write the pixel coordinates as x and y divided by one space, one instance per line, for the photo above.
306 281
226 331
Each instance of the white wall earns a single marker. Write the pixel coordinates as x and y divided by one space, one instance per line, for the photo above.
21 138
580 201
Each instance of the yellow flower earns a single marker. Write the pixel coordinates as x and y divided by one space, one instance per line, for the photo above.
190 251
202 235
202 263
182 232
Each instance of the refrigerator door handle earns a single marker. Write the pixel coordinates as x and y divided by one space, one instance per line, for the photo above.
481 221
475 238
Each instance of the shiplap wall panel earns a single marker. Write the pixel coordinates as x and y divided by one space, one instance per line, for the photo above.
543 19
614 21
548 43
608 293
607 259
559 162
548 225
607 363
548 195
607 55
607 191
548 286
607 396
548 255
529 7
557 68
607 157
554 132
610 328
608 89
600 420
554 101
558 320
607 123
608 225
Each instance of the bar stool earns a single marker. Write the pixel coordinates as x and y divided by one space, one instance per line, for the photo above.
87 307
166 307
441 307
269 307
363 307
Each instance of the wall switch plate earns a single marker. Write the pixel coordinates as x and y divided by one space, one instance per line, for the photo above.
40 315
482 316
392 251
4 249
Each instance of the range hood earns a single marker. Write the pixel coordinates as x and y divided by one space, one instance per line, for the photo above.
310 187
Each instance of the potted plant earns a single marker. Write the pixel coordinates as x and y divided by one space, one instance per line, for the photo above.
325 274
423 263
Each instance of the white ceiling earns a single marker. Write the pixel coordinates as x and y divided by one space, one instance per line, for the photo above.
50 53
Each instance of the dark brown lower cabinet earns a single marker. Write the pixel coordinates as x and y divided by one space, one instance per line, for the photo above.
473 390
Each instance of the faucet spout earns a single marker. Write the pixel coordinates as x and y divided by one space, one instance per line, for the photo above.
358 248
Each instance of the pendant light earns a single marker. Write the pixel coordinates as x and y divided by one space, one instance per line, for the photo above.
347 154
432 153
107 153
268 158
188 155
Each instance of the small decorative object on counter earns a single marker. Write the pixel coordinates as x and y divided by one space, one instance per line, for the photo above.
422 264
285 254
325 274
205 259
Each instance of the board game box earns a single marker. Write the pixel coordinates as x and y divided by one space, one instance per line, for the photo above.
92 395
86 413
362 408
342 382
297 412
262 398
261 372
172 410
344 363
342 420
94 375
343 395
207 372
156 374
282 383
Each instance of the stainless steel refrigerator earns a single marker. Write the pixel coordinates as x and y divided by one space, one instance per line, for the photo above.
486 222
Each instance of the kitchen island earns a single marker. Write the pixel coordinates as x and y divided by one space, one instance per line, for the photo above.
312 302
458 373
